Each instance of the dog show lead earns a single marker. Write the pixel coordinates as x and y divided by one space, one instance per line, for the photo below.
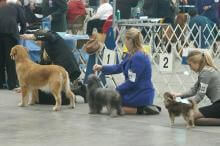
208 84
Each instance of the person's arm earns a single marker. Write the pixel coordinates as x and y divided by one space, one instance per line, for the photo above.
204 82
200 87
136 69
191 92
208 4
112 69
41 36
21 19
46 36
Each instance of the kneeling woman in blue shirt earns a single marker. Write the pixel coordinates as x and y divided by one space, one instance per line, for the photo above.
137 90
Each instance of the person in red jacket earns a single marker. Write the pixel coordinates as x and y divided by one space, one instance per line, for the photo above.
75 8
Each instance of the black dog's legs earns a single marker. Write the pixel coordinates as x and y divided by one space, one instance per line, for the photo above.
113 112
119 110
91 108
98 108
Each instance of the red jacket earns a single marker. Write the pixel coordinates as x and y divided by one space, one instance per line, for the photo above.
75 8
107 24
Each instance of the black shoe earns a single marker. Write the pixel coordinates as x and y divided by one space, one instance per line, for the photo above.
151 110
12 87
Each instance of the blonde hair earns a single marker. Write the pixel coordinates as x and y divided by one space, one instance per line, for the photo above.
201 58
137 39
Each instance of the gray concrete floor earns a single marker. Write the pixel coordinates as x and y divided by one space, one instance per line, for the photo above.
38 125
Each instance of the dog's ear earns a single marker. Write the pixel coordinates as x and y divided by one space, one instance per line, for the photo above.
168 96
13 53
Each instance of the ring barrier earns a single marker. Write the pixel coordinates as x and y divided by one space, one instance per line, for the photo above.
169 48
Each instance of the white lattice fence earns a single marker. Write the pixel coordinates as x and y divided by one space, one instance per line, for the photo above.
164 39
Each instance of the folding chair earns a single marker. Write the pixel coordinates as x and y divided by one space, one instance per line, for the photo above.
97 58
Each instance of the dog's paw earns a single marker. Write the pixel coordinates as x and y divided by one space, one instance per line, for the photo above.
171 125
72 106
21 104
92 112
56 108
122 112
31 103
113 113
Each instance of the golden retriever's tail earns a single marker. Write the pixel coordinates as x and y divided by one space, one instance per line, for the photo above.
67 90
66 81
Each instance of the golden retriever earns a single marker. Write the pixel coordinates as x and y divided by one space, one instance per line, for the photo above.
32 76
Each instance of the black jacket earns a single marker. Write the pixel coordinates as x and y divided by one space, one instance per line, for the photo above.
158 8
59 52
10 16
125 7
57 9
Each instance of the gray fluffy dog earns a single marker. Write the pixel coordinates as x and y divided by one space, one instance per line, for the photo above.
99 97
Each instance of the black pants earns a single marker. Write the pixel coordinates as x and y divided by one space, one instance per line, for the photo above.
6 63
95 23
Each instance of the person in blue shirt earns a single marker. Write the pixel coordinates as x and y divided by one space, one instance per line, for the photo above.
207 8
207 36
137 90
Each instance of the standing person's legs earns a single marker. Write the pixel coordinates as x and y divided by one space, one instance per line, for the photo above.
2 62
10 42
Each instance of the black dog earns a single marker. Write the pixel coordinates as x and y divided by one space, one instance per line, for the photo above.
58 52
99 97
80 90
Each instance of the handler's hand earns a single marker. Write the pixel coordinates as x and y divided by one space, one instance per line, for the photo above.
97 67
175 94
27 36
205 8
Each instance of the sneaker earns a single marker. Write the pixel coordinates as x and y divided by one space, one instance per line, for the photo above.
151 110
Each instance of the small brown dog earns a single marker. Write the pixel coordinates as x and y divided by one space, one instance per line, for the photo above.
32 76
176 109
